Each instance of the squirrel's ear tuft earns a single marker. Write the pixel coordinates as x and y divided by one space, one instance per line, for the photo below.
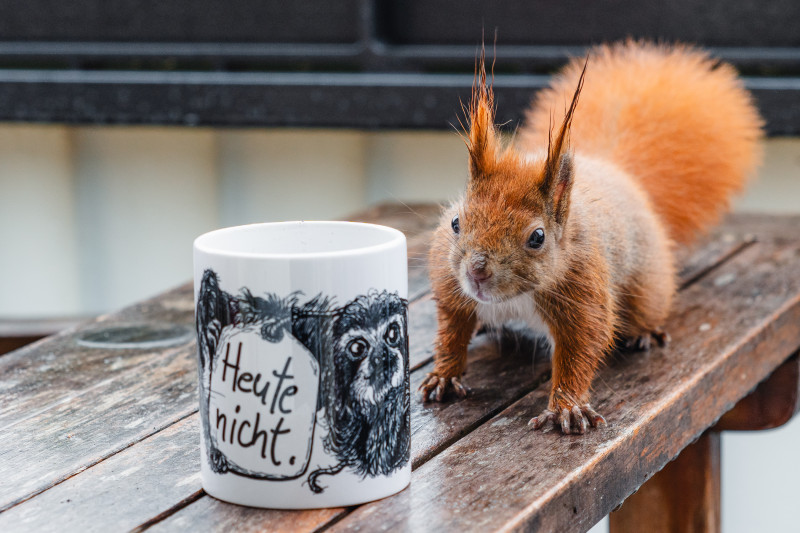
482 140
558 169
562 186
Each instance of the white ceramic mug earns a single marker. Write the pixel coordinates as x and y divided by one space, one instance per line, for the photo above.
303 363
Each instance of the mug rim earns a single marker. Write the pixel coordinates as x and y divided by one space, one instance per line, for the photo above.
393 236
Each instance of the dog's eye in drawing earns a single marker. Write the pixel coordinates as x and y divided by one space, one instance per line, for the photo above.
392 335
357 348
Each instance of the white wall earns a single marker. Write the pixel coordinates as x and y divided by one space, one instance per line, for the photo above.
141 195
288 175
39 273
94 218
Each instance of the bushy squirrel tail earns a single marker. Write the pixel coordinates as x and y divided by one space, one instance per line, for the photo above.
679 122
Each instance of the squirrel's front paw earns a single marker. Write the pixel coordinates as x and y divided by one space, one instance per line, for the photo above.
574 419
434 387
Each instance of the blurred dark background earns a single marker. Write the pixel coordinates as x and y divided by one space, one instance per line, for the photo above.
401 64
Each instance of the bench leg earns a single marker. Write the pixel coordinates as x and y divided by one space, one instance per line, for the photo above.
683 497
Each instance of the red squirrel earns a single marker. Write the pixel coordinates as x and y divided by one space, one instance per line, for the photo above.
573 229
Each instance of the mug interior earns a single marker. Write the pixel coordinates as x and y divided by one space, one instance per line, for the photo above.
300 239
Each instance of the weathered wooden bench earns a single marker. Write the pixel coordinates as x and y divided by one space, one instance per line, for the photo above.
98 437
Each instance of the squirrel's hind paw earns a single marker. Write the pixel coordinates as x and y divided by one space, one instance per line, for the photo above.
575 420
435 388
642 343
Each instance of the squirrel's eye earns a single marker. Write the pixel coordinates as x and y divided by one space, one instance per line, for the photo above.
392 335
455 224
536 240
357 348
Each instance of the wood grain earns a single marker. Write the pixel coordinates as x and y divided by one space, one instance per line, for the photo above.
123 490
412 219
497 381
422 331
418 282
503 474
57 369
711 251
735 323
684 497
209 514
57 442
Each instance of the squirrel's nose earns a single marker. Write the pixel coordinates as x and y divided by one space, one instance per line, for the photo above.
479 273
478 269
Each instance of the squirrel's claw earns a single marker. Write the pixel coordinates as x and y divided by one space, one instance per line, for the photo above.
441 387
538 422
431 386
579 420
576 420
460 389
661 337
434 387
643 343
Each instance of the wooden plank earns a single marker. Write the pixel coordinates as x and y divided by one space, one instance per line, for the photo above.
117 492
710 252
505 475
684 497
412 219
436 426
422 328
780 229
44 374
57 369
418 282
416 221
773 403
209 514
498 376
70 436
51 377
736 232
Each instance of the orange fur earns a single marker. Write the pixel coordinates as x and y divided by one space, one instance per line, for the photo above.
670 116
651 146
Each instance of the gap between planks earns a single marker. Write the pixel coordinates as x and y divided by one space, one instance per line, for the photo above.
724 258
177 507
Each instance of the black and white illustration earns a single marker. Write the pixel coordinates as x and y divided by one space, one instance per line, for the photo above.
346 365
